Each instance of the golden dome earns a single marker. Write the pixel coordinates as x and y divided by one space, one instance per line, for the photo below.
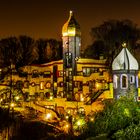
71 27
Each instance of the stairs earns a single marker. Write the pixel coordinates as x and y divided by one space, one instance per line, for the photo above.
94 96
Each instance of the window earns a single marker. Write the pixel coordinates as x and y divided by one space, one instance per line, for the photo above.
26 84
48 85
35 74
132 79
94 70
41 85
47 74
86 71
124 81
19 84
115 81
80 86
60 73
33 84
60 84
68 60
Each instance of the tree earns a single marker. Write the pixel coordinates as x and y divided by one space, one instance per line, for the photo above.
41 44
30 50
11 51
54 50
49 50
95 50
117 115
113 33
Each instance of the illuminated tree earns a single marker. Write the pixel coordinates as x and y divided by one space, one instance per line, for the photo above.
117 117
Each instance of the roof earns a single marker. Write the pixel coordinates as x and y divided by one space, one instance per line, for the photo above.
125 61
71 27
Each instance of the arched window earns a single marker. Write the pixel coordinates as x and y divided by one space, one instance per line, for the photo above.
115 81
124 81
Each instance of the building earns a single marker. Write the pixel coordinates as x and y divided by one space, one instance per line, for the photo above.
74 83
125 74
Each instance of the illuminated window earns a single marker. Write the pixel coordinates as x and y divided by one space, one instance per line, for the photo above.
60 94
60 73
68 60
86 71
41 85
115 81
124 81
33 84
48 85
81 110
55 86
47 74
132 79
76 84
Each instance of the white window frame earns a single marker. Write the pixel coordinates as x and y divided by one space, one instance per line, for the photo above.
122 81
115 81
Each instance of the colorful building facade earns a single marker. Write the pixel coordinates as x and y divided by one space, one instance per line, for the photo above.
74 83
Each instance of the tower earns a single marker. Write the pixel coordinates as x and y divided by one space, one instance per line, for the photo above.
125 74
71 37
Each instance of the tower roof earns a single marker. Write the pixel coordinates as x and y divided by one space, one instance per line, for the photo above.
125 61
71 27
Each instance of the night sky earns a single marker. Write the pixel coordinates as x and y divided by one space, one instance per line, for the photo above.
45 18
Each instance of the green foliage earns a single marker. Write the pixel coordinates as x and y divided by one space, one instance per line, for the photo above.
117 116
132 132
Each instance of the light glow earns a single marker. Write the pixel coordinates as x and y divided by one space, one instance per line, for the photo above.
12 105
48 116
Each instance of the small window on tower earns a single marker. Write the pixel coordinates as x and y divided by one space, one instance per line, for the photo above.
68 61
124 81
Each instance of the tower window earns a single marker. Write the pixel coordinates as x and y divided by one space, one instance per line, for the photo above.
68 61
132 79
124 81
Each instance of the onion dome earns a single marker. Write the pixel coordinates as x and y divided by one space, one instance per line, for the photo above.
125 61
71 27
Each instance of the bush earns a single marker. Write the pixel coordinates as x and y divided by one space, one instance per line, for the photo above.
115 117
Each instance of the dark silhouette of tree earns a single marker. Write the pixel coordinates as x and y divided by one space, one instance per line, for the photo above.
11 52
95 50
54 50
41 44
30 50
49 50
113 33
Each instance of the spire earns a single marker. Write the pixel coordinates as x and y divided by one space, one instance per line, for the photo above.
71 27
71 13
124 44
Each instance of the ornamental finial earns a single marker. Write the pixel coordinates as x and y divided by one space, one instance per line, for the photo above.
124 44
